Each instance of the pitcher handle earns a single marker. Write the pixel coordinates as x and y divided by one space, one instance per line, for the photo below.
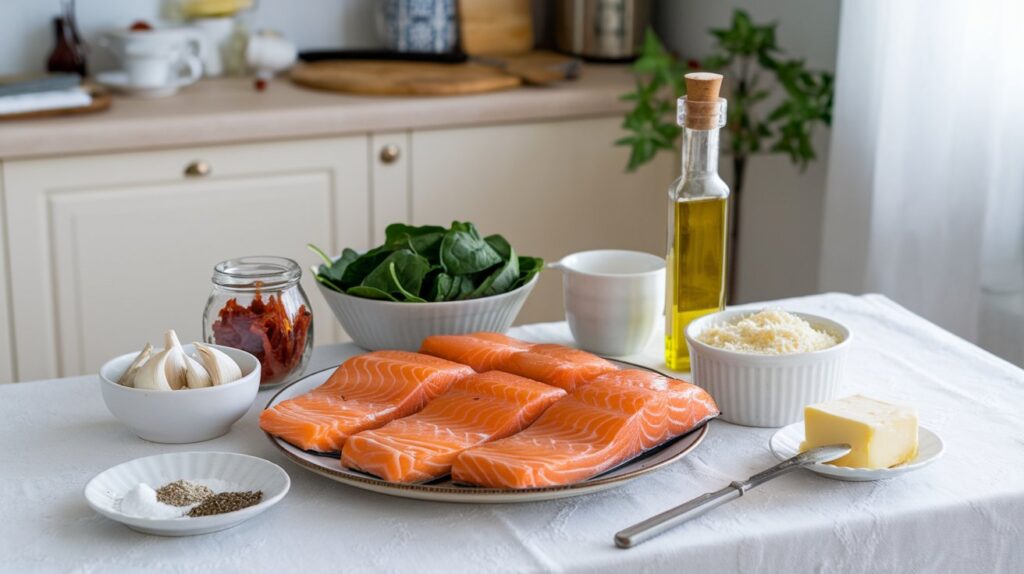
193 67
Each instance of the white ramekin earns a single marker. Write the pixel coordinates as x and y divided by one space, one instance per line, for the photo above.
185 415
767 390
375 325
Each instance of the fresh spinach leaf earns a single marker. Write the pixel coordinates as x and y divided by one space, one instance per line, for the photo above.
462 253
357 270
500 245
442 286
398 284
333 271
528 267
370 293
401 273
425 240
501 280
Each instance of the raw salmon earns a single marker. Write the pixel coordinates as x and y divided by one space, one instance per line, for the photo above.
475 410
556 365
604 423
482 351
366 391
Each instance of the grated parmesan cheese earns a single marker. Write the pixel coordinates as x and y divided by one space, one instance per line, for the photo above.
768 332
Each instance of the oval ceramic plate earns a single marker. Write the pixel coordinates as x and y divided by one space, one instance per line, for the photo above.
444 490
786 444
242 472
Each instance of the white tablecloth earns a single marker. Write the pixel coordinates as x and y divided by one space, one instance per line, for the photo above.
965 513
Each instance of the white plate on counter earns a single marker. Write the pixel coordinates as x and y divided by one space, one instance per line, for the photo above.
444 490
242 472
785 444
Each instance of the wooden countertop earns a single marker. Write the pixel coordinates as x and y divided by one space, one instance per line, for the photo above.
219 111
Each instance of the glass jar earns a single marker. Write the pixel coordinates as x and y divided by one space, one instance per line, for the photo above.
258 306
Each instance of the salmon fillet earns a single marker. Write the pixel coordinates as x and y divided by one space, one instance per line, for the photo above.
366 391
557 365
482 351
475 410
610 420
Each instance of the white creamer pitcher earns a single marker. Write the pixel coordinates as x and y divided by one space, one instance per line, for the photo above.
614 299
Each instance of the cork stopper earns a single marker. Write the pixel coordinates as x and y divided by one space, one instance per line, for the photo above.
701 108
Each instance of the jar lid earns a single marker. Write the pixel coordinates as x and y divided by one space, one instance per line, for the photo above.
256 272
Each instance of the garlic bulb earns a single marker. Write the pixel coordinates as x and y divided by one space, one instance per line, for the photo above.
176 361
153 374
196 376
128 378
222 368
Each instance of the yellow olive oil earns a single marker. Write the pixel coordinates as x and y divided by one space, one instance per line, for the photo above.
695 270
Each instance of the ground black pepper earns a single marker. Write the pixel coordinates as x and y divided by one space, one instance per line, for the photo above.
227 502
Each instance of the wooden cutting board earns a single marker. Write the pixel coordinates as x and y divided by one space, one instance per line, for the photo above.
100 102
402 78
496 27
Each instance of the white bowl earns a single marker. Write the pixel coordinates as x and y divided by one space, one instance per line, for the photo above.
240 471
182 416
767 390
375 324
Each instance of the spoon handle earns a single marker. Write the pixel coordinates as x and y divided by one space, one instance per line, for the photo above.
655 525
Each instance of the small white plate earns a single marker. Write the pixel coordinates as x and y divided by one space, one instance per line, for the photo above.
242 471
786 444
117 80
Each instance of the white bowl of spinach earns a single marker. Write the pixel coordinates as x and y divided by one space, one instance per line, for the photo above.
426 280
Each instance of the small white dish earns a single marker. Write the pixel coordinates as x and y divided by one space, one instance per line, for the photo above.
185 415
242 472
786 444
767 390
117 80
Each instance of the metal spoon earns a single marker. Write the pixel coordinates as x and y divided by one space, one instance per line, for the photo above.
655 525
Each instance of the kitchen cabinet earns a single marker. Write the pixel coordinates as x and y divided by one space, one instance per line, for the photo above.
551 188
107 251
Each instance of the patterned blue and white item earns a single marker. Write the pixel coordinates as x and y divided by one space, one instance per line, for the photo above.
418 25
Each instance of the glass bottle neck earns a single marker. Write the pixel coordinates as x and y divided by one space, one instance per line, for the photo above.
700 152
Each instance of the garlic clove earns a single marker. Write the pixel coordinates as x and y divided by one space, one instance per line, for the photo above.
196 376
153 374
128 378
222 368
176 364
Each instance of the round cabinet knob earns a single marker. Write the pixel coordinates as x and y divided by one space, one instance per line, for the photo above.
198 168
390 153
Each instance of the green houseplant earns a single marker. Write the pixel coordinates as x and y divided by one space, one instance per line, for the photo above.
774 104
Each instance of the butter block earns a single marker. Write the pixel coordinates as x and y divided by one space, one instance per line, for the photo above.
881 434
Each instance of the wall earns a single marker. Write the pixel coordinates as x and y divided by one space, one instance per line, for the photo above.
781 228
26 37
780 234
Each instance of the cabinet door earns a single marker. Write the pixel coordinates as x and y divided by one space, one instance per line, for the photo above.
550 188
109 251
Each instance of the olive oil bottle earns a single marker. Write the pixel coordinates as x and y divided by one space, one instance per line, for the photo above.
698 217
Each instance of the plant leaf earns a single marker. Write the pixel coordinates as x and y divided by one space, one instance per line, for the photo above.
400 274
501 280
369 293
464 252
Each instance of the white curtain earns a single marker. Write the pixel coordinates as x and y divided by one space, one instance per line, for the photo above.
925 194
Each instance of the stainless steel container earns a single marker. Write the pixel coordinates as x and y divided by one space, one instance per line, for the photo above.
601 29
